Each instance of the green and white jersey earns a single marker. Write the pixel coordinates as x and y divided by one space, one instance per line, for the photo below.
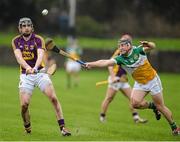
137 64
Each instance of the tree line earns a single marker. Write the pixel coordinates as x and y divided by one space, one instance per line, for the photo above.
104 18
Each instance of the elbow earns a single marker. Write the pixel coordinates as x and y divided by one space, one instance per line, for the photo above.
107 63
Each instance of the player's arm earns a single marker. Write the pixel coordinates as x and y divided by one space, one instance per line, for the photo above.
112 75
40 53
148 46
111 72
110 68
100 63
20 59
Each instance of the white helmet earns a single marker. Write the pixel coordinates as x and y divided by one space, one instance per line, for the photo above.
25 20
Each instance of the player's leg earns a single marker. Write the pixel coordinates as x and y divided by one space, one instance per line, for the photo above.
26 86
50 93
127 93
25 96
159 102
75 78
68 68
110 93
47 88
68 75
137 100
138 94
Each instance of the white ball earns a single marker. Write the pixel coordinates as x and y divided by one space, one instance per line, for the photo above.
45 12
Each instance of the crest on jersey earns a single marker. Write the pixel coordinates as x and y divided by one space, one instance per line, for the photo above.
26 47
135 56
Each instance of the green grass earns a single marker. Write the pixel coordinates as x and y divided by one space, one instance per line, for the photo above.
94 43
81 107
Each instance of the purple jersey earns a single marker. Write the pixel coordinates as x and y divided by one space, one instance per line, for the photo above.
118 70
29 49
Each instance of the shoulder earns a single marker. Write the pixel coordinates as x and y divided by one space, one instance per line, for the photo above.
39 41
15 41
139 49
38 37
16 38
118 59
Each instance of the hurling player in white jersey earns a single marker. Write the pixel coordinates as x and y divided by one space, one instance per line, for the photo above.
134 60
118 81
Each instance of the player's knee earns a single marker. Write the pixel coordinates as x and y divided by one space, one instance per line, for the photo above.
24 106
136 104
109 99
53 99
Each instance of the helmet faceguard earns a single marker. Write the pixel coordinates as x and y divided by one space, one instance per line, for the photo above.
124 41
25 20
124 45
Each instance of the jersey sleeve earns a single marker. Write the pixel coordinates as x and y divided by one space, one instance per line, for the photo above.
14 43
140 49
117 60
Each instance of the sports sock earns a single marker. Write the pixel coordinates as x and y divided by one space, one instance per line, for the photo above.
27 125
135 115
173 125
151 105
61 123
102 114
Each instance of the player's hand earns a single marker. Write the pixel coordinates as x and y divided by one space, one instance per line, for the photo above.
144 43
88 65
34 70
29 71
148 45
114 79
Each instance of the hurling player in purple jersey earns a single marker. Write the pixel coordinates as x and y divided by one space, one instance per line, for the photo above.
29 50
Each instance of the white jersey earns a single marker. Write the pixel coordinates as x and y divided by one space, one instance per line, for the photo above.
137 64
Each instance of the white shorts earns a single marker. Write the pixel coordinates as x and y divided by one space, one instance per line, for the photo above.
73 66
118 85
28 82
154 86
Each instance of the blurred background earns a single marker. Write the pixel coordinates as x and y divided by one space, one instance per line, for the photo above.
103 18
98 25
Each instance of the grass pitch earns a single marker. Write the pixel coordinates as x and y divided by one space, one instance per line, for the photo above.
81 107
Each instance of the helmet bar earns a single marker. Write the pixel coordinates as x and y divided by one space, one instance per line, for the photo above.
26 21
